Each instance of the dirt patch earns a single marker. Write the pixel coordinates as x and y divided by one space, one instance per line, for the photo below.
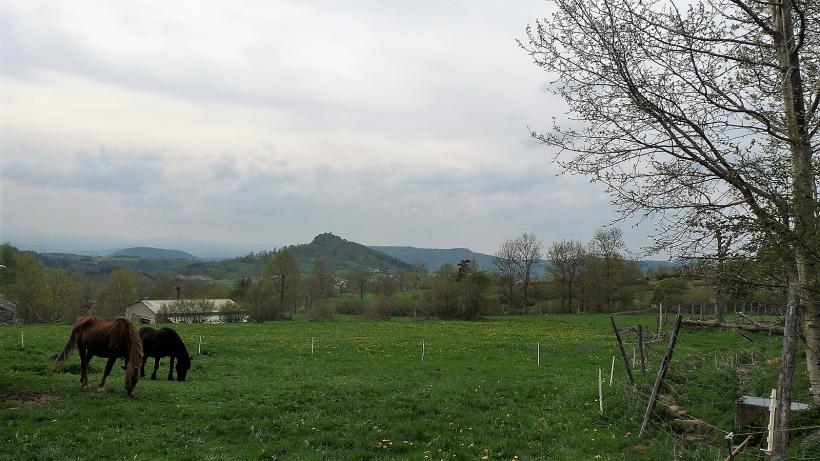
26 398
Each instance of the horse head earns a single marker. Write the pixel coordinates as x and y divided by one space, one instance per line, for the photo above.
183 365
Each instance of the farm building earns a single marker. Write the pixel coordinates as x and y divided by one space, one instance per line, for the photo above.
182 311
8 313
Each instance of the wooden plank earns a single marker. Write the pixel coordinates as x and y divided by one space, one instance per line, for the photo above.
667 358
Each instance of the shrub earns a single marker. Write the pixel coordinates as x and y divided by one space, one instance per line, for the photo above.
232 313
380 310
350 306
320 310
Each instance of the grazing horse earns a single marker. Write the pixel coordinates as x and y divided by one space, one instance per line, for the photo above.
112 340
165 342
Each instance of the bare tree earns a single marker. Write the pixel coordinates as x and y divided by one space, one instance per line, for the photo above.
566 263
703 115
506 268
606 246
529 250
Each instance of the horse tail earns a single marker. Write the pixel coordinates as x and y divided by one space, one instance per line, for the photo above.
72 341
132 369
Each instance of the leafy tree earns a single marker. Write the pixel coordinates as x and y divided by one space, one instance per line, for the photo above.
9 261
28 290
669 291
63 298
282 273
708 116
119 293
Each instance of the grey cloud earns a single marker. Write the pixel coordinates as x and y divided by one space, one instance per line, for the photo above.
104 170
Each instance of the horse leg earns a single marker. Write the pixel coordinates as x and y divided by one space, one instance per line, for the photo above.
85 358
156 365
171 370
108 366
142 367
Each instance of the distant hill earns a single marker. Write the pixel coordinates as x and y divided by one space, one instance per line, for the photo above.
344 257
648 264
434 258
153 253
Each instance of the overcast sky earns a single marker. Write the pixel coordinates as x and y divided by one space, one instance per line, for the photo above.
266 123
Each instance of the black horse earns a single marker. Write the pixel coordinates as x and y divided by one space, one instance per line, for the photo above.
164 342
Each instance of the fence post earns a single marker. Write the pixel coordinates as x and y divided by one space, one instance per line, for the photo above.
640 348
667 358
611 371
770 429
600 393
623 352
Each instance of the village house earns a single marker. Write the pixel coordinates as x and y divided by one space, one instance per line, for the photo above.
183 311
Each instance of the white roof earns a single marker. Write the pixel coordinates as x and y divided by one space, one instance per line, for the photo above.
156 305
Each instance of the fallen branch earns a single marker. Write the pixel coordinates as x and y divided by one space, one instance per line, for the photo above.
773 329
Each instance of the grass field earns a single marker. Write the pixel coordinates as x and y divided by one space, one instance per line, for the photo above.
256 392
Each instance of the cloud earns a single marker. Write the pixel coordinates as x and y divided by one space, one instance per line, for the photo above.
386 122
103 170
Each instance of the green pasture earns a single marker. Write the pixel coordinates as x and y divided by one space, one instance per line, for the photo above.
257 392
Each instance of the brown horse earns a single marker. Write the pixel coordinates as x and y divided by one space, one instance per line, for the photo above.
113 340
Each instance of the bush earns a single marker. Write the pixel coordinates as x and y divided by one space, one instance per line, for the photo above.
464 299
232 313
350 306
381 309
320 310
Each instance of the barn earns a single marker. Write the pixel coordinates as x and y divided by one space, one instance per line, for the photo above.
168 311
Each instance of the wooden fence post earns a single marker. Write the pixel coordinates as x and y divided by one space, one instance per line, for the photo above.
667 358
623 352
640 348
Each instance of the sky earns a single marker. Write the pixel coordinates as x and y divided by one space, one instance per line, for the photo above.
248 125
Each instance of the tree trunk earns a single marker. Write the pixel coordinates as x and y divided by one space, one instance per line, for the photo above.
807 277
804 201
784 380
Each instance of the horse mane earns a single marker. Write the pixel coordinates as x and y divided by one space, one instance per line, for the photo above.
132 369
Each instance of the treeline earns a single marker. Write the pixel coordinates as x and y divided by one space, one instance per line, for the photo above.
45 295
596 276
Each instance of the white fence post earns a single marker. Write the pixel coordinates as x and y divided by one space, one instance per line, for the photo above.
611 371
422 350
538 352
772 410
600 393
200 345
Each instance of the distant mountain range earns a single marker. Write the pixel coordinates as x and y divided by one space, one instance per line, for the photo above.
341 256
153 253
434 258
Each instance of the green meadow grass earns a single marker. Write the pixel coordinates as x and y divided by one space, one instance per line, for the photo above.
256 392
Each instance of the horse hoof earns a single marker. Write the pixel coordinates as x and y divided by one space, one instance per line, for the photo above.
100 389
85 388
